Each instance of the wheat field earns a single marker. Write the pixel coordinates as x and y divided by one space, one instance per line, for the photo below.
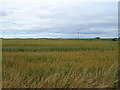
59 63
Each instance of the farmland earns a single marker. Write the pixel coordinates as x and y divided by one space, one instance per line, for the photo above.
59 63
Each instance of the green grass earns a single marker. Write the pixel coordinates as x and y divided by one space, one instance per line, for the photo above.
68 63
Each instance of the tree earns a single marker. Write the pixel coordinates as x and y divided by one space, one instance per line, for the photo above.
97 37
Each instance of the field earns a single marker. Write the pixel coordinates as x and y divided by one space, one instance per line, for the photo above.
58 63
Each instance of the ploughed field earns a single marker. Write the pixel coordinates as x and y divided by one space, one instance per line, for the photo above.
58 63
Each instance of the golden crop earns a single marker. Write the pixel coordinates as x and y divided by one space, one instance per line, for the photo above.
43 63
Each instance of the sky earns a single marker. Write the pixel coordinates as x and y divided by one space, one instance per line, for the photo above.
58 19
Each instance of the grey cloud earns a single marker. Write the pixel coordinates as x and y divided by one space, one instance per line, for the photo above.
3 13
88 19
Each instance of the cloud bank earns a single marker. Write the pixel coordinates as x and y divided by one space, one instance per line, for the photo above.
58 18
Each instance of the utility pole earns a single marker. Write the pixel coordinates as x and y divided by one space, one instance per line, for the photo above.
78 34
14 35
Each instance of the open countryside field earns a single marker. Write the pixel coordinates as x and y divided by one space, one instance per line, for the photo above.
58 63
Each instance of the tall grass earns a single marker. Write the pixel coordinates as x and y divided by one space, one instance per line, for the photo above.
60 63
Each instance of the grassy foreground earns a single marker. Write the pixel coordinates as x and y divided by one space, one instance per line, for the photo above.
42 63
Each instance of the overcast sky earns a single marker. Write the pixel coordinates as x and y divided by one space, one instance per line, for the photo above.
58 19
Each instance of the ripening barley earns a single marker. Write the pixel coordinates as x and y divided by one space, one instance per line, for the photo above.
59 63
